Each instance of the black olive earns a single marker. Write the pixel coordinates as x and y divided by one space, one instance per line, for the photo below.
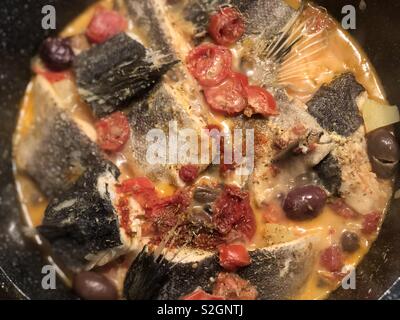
94 286
350 241
208 208
56 54
307 178
384 152
304 203
205 194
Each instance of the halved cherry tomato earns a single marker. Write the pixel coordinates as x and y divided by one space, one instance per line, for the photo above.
188 173
104 25
230 96
260 101
200 294
226 27
113 132
371 223
233 256
332 258
209 64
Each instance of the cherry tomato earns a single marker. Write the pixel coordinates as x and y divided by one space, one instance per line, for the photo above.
371 223
233 213
233 256
209 64
113 132
260 101
229 97
104 25
342 209
233 287
226 27
189 173
332 258
200 294
51 76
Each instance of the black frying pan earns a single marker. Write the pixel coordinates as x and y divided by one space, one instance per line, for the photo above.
378 31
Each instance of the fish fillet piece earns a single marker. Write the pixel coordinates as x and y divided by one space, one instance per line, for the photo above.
83 226
285 146
335 106
347 172
261 16
278 272
147 18
111 74
166 110
56 151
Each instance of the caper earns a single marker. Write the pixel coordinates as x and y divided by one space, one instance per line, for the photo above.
205 194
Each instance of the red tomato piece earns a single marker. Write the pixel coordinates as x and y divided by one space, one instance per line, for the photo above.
229 97
135 185
260 101
104 25
188 173
232 212
342 209
200 294
226 27
371 223
209 64
142 189
233 256
232 287
51 76
167 210
332 258
124 212
113 132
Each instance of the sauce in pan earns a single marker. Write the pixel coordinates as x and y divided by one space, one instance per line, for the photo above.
339 54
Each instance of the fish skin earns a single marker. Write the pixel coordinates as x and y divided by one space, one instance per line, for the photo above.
334 105
264 16
265 271
56 151
347 171
82 220
330 173
261 16
156 111
111 74
263 182
144 15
